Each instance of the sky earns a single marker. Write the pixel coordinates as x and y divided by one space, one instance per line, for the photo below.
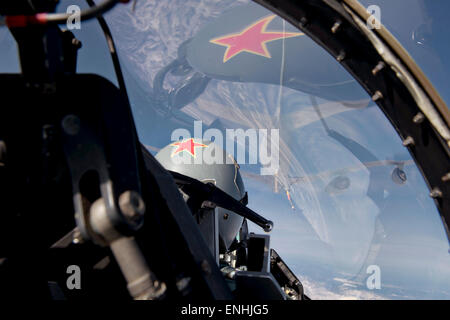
334 232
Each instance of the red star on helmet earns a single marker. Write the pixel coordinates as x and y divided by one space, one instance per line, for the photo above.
188 145
252 39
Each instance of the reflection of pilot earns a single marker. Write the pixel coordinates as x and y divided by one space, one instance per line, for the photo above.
333 215
342 206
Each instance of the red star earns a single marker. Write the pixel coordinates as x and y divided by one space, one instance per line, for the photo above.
187 145
252 39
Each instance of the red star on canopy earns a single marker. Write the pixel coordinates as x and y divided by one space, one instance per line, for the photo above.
252 39
187 145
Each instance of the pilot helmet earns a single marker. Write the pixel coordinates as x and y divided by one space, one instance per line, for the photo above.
189 157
